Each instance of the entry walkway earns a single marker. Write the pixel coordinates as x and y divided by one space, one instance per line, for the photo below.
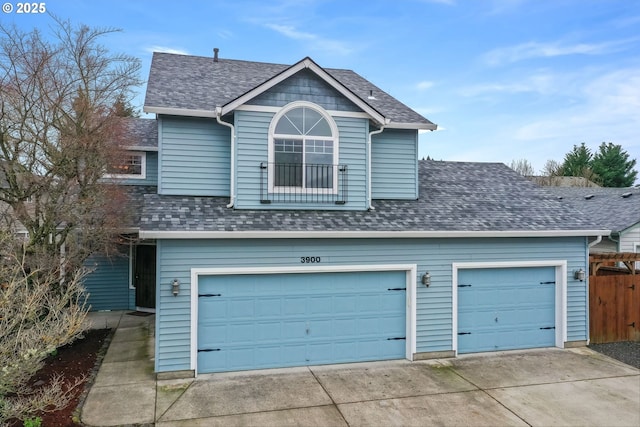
538 387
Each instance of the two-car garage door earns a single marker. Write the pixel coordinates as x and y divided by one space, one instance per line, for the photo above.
255 321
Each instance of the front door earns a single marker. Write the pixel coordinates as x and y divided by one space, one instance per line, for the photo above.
145 276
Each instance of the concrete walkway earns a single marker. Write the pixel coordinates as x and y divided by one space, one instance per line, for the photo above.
538 387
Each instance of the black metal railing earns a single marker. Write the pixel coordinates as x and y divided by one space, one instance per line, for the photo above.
308 183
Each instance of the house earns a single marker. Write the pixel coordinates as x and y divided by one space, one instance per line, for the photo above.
615 209
293 224
126 280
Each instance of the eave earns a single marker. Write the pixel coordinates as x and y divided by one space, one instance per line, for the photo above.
150 234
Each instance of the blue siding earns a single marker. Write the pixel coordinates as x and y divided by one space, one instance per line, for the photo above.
252 129
194 157
108 283
434 304
394 164
304 86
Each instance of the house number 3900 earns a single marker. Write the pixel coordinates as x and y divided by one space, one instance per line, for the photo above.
309 259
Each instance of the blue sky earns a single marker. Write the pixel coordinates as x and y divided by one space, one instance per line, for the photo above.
503 79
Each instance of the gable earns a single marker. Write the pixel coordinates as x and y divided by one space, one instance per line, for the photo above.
304 85
195 86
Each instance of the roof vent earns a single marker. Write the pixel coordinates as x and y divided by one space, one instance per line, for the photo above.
560 197
371 95
588 197
215 54
627 195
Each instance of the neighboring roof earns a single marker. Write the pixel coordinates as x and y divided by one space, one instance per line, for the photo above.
141 134
198 84
454 197
607 207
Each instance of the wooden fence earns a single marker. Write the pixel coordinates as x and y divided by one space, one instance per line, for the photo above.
614 300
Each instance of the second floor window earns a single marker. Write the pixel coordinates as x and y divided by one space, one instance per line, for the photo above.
303 150
132 165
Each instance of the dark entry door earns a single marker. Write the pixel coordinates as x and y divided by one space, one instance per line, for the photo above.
145 276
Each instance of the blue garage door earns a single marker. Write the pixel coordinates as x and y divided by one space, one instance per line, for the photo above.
506 309
279 320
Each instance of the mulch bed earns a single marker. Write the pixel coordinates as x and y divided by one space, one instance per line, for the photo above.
81 357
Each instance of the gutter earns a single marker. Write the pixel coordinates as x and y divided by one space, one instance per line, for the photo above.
374 132
194 234
232 175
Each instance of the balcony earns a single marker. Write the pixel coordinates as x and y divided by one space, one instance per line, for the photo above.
308 183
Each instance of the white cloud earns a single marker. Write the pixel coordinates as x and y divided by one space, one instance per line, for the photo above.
607 110
533 50
224 34
317 42
424 85
165 49
538 83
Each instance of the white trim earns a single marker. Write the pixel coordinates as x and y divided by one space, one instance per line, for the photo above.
272 136
143 168
420 126
140 148
180 111
332 113
411 280
267 109
131 266
283 234
560 297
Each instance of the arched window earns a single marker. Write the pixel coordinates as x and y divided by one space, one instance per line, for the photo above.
303 149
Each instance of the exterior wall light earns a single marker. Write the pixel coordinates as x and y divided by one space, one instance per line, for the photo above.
579 275
175 287
426 279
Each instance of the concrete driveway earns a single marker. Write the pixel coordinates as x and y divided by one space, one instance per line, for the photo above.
537 387
545 387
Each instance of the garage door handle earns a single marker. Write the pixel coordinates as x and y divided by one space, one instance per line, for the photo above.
397 338
207 350
549 327
548 283
397 289
209 295
464 333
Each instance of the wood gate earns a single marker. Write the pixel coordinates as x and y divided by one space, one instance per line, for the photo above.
614 298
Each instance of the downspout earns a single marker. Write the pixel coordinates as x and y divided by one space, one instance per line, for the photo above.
595 242
369 198
232 177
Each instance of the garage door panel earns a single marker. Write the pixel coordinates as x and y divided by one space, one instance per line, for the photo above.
300 319
505 308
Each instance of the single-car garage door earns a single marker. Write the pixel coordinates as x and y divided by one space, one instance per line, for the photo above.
506 308
276 320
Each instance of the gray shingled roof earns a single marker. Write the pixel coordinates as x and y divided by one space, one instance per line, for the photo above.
453 197
199 83
141 132
607 207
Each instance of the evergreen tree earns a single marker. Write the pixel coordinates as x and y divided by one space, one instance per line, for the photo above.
577 162
611 163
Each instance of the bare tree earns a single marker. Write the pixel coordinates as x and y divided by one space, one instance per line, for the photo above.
60 98
58 131
522 166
